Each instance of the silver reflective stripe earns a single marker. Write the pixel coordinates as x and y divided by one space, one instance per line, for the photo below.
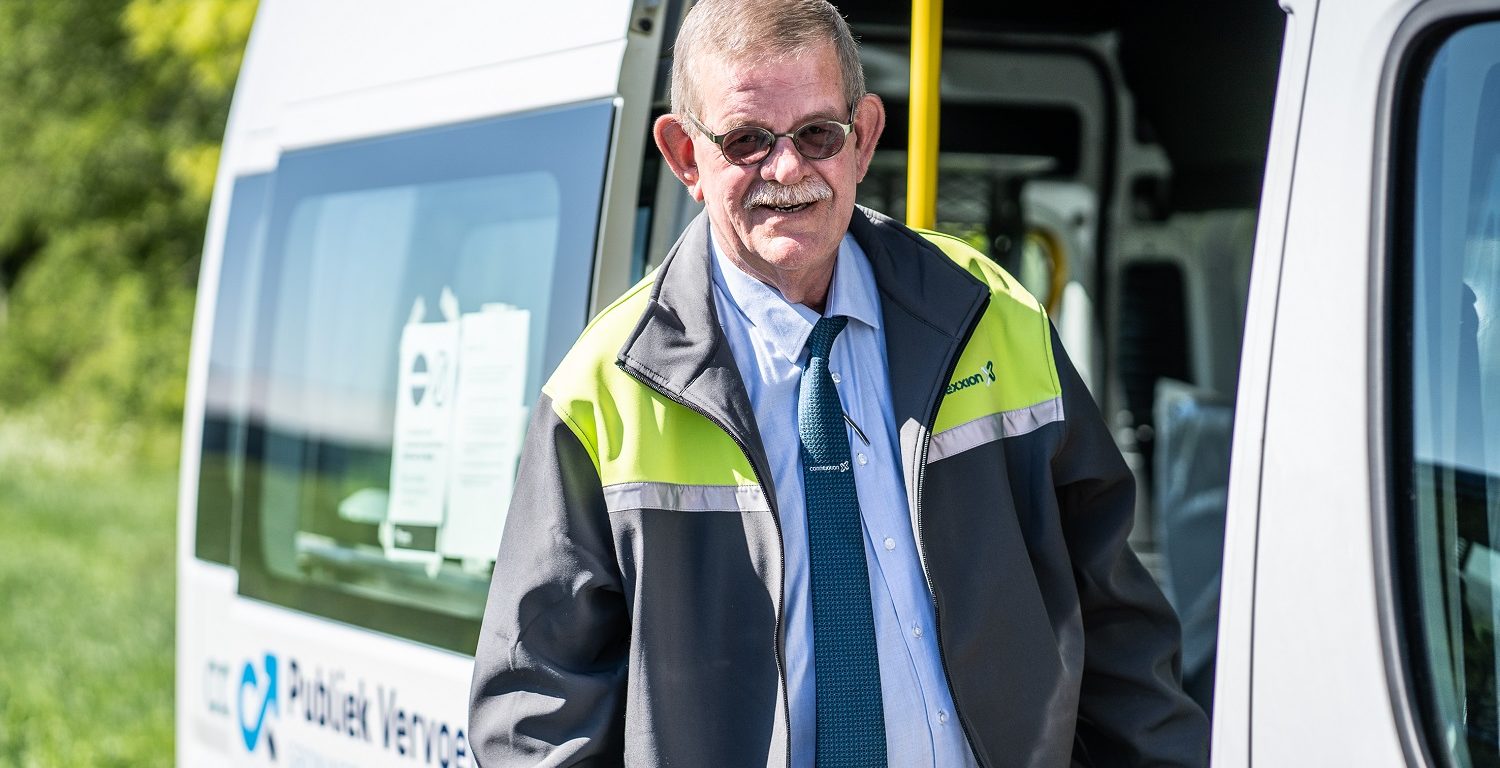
685 498
988 429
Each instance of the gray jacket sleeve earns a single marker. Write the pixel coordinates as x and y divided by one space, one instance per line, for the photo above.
1132 710
550 669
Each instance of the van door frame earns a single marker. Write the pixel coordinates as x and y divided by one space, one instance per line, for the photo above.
615 246
1233 681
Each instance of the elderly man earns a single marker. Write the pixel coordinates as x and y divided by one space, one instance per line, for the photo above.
822 490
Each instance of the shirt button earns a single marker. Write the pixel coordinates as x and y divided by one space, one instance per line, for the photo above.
916 631
942 717
836 378
890 543
862 460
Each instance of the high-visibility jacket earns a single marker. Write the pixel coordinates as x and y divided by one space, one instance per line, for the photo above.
635 611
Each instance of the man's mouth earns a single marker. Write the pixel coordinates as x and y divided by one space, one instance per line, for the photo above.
788 208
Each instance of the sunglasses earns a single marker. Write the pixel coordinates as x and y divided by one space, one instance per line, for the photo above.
749 144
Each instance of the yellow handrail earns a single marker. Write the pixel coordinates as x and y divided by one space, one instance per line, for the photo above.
922 141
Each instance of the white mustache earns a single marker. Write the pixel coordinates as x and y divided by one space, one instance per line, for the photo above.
777 195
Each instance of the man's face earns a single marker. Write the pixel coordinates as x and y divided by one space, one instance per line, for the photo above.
777 241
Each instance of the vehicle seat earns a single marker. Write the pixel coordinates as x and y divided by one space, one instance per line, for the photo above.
1191 478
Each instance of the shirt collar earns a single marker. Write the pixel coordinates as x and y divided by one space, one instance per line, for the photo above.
787 325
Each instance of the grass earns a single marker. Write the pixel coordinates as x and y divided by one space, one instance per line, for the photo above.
87 535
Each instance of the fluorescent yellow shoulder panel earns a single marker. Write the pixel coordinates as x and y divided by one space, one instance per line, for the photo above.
632 432
1008 362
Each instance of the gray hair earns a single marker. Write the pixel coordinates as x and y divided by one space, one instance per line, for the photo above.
741 30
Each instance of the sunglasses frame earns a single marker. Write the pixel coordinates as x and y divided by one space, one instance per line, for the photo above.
718 139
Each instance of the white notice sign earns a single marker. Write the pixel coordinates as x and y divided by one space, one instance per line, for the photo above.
425 389
489 424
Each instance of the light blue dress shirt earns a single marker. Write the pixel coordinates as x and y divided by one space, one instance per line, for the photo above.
768 337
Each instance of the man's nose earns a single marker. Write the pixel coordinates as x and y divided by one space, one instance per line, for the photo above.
784 164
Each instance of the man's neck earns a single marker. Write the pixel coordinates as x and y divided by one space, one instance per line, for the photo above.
806 287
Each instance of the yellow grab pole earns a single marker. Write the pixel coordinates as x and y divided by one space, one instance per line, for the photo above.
922 141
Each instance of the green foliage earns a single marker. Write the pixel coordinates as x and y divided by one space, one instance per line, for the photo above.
113 113
200 41
197 44
86 575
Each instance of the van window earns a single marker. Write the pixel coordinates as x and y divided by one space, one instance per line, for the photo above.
416 292
1448 406
221 459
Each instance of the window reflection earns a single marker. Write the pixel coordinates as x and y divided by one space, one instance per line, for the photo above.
220 463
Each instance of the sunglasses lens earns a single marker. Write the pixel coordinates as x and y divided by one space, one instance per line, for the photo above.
746 145
820 140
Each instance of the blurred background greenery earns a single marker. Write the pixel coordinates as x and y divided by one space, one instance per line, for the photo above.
111 114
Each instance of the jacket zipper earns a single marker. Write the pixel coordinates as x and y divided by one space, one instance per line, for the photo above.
922 549
786 706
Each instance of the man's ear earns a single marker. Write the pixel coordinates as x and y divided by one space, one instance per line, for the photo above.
677 148
869 122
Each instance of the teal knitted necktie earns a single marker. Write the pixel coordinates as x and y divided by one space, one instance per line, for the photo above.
846 667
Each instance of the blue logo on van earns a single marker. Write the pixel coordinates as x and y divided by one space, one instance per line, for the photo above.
266 694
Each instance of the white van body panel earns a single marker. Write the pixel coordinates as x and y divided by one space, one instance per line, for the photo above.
359 693
1231 736
317 74
1299 605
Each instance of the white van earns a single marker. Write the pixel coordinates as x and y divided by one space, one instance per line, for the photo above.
420 205
1359 603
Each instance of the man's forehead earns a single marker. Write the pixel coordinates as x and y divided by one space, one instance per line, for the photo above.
804 83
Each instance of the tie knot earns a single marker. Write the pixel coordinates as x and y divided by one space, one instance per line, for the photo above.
823 334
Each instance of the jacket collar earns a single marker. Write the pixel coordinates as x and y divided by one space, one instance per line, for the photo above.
929 306
679 348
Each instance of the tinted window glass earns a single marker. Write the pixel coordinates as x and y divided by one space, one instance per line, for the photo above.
1451 475
220 463
417 291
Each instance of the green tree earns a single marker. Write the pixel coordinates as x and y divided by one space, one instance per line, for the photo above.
111 113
